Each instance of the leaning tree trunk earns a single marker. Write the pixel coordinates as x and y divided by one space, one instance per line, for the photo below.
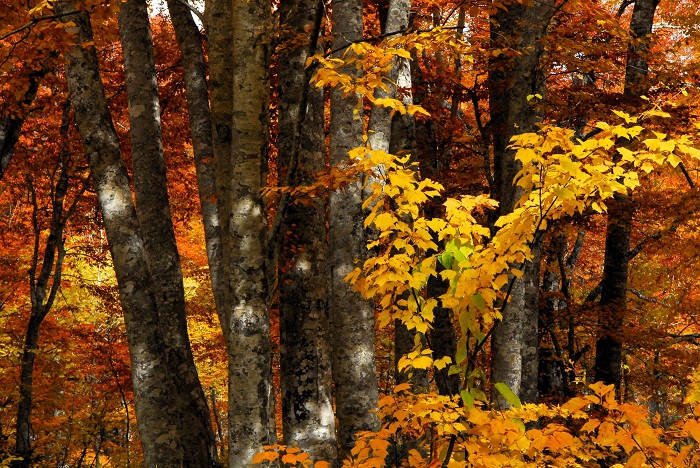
305 366
244 227
613 296
11 126
158 395
511 80
352 318
190 43
158 233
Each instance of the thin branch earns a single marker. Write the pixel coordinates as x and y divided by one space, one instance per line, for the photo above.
35 21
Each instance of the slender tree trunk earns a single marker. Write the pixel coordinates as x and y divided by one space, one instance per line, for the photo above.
43 289
160 400
352 318
158 233
307 401
241 177
379 127
613 296
190 42
511 80
11 127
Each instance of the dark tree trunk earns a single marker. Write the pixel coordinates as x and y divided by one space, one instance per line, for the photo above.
43 287
511 80
613 296
307 400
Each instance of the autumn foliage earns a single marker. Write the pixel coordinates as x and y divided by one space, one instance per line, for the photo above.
442 243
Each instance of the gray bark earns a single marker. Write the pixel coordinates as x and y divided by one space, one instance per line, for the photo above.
613 296
511 80
308 420
352 318
161 404
190 43
379 127
244 227
157 231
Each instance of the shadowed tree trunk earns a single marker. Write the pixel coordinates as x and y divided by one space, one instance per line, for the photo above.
352 318
10 127
511 80
613 300
307 401
161 385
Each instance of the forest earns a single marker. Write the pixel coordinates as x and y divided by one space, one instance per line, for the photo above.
349 233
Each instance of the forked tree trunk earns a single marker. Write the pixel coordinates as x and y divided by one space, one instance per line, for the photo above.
43 287
307 400
162 403
352 318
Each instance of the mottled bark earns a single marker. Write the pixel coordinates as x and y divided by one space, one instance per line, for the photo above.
511 80
190 43
352 318
307 401
157 231
613 300
380 121
529 375
244 227
160 400
11 127
43 287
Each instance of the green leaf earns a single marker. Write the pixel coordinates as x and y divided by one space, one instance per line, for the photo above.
467 398
446 258
508 394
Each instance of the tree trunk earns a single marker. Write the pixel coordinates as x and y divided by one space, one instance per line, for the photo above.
11 127
352 318
161 404
190 43
380 121
157 231
307 401
510 81
244 227
613 300
43 289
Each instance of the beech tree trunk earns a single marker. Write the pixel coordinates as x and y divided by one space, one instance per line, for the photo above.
352 318
190 42
244 228
613 296
158 233
511 80
308 420
163 406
